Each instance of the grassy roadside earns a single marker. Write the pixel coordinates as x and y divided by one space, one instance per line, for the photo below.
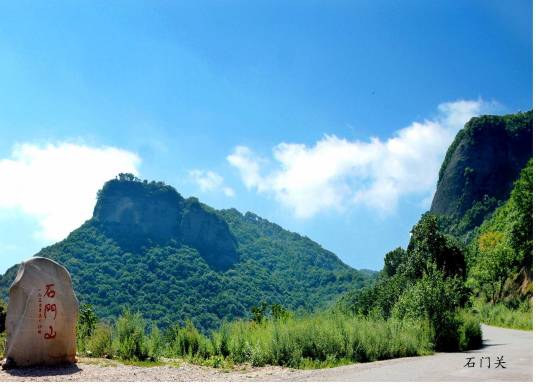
313 341
319 340
500 315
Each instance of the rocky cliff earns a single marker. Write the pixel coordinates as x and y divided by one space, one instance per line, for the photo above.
480 167
139 214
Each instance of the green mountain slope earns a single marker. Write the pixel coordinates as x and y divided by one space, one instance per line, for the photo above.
500 255
469 250
484 198
176 259
479 169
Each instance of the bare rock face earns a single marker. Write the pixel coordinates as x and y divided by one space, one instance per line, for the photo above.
41 316
131 211
209 234
485 159
137 214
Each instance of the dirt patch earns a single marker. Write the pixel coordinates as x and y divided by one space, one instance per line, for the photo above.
102 370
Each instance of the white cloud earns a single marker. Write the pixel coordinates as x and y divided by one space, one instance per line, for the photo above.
229 192
336 173
210 181
57 183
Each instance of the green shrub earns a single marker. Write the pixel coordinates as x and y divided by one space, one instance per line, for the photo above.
130 342
469 331
99 343
187 341
434 297
502 316
155 343
220 340
87 322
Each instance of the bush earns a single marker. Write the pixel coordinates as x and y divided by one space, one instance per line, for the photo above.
502 316
469 331
154 343
317 340
187 341
99 343
381 296
130 341
87 322
434 297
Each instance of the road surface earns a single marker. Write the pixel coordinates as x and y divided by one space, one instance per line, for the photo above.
515 348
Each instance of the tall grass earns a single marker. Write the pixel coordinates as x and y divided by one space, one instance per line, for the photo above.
318 340
99 344
502 316
130 340
312 341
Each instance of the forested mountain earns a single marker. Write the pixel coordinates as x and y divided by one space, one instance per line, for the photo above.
176 259
484 198
479 170
453 260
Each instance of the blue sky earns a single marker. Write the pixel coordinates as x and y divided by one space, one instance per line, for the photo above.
329 118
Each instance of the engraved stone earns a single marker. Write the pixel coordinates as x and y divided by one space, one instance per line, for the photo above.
41 316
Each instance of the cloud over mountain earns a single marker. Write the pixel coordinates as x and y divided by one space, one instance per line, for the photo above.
336 173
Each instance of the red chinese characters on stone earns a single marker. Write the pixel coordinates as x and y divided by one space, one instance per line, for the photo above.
50 310
50 334
49 291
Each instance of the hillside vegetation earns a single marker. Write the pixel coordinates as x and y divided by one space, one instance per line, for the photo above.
500 255
423 282
148 249
457 268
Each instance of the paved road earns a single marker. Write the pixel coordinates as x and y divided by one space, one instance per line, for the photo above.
515 347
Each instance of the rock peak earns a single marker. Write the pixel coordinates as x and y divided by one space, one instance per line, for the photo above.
138 213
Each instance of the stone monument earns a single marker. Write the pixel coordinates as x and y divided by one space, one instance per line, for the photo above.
41 316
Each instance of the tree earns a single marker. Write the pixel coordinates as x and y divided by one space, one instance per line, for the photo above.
87 322
492 266
435 297
428 245
279 312
259 312
521 236
393 259
127 177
